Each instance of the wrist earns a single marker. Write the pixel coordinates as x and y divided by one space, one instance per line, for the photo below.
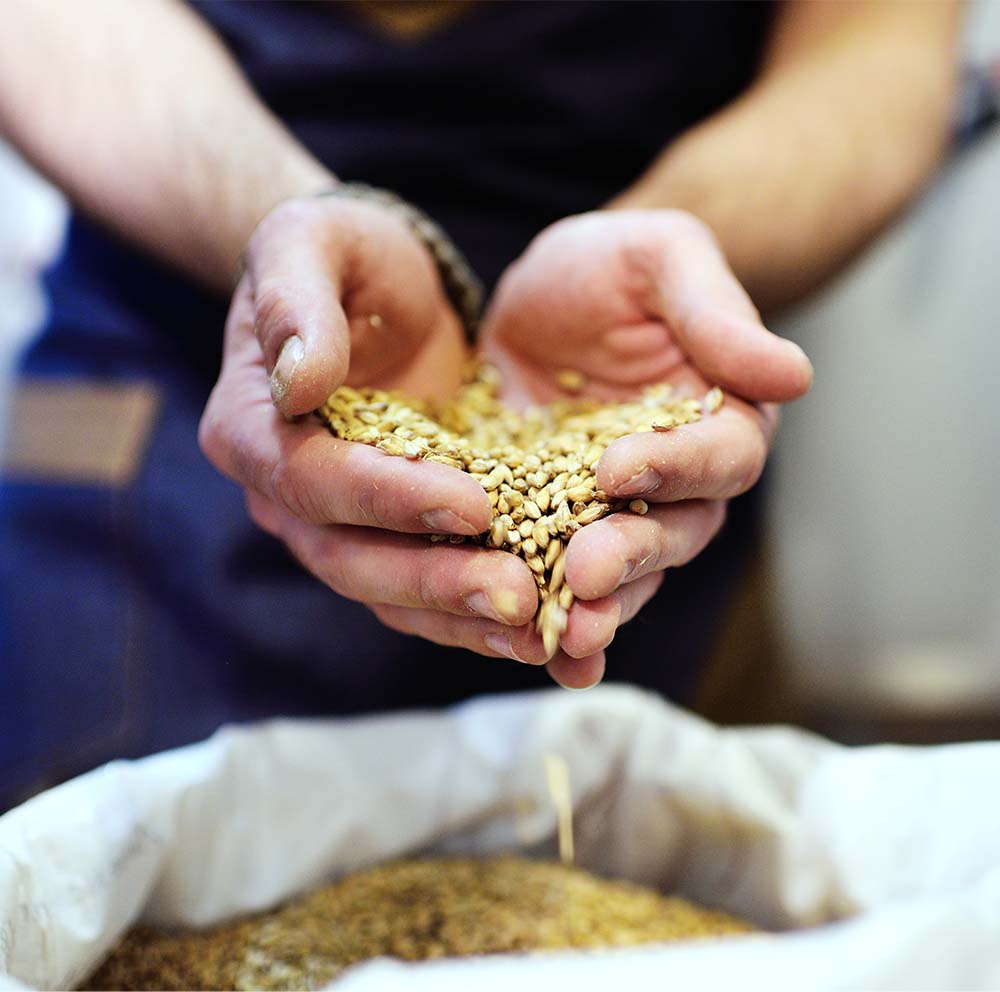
300 177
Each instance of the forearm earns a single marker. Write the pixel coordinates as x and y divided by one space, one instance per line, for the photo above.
846 121
140 115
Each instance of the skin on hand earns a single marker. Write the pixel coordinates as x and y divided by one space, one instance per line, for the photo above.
627 298
632 298
338 291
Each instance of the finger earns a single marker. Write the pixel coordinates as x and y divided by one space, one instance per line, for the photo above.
376 567
719 457
717 325
323 479
263 513
293 262
577 673
625 546
482 636
304 469
592 625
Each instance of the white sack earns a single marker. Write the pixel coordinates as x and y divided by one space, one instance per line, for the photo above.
772 824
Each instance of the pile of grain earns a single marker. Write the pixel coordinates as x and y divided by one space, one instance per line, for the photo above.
538 466
412 910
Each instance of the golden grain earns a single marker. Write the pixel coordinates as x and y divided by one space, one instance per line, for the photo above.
572 380
713 400
411 910
537 465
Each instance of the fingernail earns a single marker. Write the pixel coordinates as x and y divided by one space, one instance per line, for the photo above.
576 688
446 522
292 352
646 481
481 605
505 603
501 644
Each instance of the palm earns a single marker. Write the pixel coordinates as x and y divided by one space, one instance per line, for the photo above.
404 334
628 298
617 355
575 300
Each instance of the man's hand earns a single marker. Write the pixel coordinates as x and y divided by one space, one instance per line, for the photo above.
631 298
338 291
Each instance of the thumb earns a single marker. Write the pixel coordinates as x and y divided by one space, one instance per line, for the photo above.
720 331
298 318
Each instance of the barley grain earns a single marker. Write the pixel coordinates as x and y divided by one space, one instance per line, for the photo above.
572 380
713 399
558 570
537 466
412 910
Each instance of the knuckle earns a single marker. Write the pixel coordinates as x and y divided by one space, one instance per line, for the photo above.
426 589
288 493
372 507
231 453
258 513
332 570
272 313
378 507
335 579
381 613
211 437
392 618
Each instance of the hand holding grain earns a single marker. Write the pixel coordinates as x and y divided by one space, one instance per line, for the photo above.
338 291
628 298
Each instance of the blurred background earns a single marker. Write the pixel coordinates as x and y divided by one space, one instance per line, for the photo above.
875 611
884 516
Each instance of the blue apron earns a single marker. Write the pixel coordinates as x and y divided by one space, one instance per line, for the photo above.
139 616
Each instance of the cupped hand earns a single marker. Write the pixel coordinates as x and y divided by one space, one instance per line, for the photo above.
339 291
630 298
